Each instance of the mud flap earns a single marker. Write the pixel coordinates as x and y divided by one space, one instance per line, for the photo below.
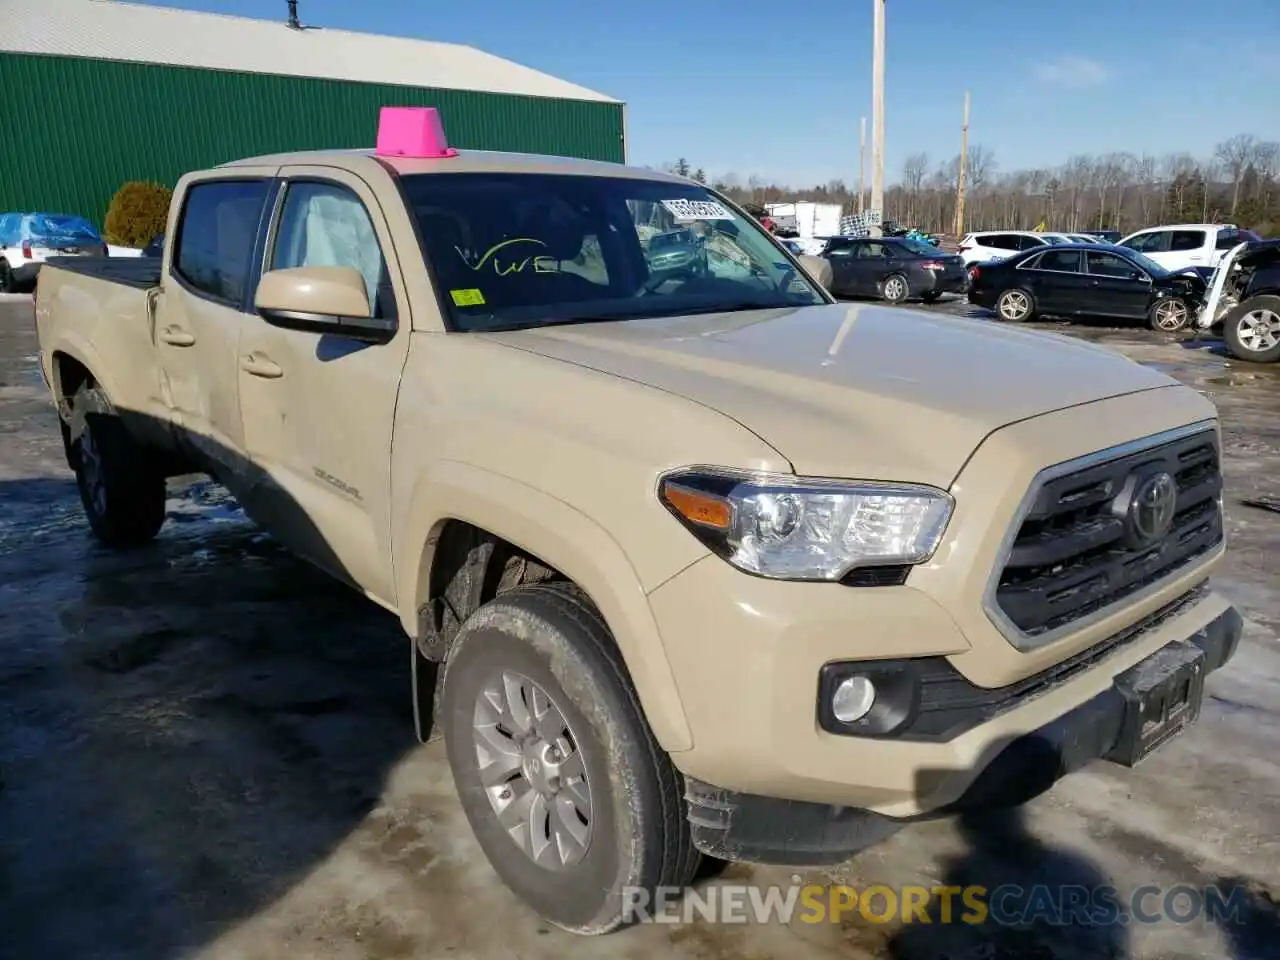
424 674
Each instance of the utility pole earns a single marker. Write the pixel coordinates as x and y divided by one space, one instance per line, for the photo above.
964 160
862 167
877 110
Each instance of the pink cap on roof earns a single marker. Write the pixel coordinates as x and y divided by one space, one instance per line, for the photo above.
412 132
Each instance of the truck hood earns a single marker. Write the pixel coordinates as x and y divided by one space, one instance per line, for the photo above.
853 391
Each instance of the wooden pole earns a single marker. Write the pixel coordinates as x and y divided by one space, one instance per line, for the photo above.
964 159
877 109
862 167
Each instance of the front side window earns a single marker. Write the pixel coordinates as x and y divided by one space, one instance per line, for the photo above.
216 236
872 251
326 225
1109 265
525 250
1156 241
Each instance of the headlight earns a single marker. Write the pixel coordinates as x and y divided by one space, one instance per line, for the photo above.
795 528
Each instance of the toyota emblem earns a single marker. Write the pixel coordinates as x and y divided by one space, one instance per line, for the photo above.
1151 510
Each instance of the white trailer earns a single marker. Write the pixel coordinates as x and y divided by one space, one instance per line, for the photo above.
810 220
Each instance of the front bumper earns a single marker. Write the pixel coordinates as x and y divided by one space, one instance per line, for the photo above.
740 826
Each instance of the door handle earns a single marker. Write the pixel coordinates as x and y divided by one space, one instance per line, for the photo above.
259 366
1195 257
177 337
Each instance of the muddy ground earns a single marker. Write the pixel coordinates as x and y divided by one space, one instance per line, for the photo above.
205 749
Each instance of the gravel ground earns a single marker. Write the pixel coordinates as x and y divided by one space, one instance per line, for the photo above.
205 749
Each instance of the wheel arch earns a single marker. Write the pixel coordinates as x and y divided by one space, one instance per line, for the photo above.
471 534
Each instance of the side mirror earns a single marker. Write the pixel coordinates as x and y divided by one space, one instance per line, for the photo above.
818 269
332 300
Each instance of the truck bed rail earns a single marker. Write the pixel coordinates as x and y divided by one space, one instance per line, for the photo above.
140 272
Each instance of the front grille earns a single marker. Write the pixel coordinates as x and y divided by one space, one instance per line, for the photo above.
1079 548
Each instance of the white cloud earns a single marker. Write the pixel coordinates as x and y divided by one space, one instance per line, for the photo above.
1072 72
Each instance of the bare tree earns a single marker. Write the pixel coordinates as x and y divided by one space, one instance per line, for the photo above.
1146 174
914 169
1234 155
1076 176
1266 160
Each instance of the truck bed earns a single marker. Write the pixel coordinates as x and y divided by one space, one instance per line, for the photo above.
140 272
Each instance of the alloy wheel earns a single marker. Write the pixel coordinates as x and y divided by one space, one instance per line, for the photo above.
532 770
1259 330
92 473
1014 305
1171 315
895 289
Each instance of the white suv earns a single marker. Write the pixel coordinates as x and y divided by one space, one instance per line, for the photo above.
1187 245
997 244
28 239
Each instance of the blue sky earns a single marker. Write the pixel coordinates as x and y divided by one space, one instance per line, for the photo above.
755 87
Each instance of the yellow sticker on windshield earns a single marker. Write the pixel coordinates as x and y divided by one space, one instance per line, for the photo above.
467 298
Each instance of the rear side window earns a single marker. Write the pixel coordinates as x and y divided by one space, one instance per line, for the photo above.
1187 240
216 235
1060 261
1001 241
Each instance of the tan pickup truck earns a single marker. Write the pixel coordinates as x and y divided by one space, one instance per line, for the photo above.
695 560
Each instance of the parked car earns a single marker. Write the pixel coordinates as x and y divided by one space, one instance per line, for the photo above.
1188 245
155 247
716 567
986 245
1244 299
675 254
893 268
1087 280
29 239
1106 236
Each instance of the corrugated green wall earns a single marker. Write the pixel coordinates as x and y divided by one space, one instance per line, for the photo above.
72 130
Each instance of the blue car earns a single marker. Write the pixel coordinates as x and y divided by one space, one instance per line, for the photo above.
29 239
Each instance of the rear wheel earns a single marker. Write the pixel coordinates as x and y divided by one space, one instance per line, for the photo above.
1015 306
122 491
571 798
1252 330
894 288
6 277
1170 315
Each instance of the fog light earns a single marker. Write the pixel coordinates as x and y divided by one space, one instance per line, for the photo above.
853 699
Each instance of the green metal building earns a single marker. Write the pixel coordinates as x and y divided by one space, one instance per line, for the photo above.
99 92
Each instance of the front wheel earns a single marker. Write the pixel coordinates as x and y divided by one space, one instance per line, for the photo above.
121 490
1015 306
569 795
894 288
1252 330
1170 315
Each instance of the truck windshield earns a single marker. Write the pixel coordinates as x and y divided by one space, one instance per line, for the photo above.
512 250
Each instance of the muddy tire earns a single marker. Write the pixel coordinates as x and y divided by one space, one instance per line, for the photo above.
1170 315
1252 330
544 731
122 492
1015 306
894 288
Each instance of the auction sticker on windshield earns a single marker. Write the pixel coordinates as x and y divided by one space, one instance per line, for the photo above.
697 210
